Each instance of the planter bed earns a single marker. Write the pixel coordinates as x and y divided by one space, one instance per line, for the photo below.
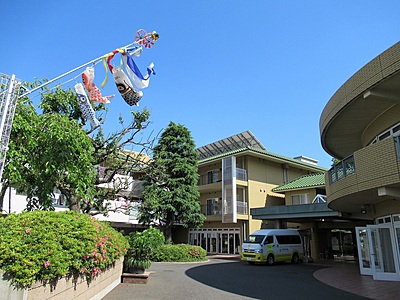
66 288
135 278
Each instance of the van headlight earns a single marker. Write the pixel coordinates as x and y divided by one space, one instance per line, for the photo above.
258 251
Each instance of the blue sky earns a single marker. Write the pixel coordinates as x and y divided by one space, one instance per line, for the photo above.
223 67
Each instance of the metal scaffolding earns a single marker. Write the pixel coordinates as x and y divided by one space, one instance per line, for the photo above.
9 91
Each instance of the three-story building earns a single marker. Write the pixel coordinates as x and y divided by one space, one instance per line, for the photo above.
236 175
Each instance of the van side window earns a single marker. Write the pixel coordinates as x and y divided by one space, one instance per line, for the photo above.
288 239
269 240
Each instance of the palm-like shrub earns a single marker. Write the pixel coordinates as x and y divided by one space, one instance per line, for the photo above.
142 244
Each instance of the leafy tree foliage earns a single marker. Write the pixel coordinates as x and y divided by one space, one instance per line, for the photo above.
170 194
52 149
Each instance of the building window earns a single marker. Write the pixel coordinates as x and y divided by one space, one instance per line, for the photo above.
301 199
394 131
212 176
212 207
384 136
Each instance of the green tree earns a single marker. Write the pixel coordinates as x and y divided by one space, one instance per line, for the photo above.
51 150
170 194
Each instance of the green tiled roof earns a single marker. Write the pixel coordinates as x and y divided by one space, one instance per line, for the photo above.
267 155
312 180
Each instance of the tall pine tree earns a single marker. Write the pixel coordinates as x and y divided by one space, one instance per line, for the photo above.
170 194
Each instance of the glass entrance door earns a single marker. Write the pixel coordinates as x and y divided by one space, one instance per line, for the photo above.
216 240
378 251
224 243
212 242
385 257
364 255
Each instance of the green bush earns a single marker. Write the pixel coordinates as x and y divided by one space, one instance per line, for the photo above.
141 245
178 253
148 239
42 245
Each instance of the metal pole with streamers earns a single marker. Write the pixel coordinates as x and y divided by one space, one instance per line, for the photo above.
10 90
141 38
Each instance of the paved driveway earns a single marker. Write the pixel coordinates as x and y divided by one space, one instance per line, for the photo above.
230 279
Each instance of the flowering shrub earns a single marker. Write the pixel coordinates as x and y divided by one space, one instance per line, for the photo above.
43 245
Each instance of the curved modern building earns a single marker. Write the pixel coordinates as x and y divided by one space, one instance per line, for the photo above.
360 128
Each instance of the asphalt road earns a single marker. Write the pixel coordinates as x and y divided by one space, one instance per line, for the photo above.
230 279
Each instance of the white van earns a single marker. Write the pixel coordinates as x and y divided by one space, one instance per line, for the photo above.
273 245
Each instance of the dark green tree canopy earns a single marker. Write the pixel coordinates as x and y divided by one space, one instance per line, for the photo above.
170 194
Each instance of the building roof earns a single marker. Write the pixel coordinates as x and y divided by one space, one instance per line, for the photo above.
306 181
266 155
234 142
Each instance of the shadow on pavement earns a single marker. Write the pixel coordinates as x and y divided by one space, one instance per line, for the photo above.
280 281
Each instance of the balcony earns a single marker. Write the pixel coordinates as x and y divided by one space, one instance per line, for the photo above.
241 209
355 180
209 178
342 169
241 174
216 176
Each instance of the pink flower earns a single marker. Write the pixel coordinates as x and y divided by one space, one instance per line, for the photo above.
46 264
27 231
95 271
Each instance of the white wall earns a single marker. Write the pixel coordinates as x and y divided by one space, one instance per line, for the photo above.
16 203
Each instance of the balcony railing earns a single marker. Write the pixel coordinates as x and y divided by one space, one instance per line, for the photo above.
241 174
212 177
209 178
342 169
347 166
241 209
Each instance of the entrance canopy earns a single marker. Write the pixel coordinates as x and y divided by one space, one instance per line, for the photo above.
296 213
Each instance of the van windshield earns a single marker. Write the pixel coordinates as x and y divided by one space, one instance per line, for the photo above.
254 239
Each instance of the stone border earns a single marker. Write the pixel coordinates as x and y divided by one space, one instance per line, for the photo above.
66 288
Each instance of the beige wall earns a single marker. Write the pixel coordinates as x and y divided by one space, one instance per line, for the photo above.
288 195
388 119
263 176
386 208
261 170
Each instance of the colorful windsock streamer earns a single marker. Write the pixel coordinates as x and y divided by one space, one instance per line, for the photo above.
93 90
84 104
125 88
130 92
139 80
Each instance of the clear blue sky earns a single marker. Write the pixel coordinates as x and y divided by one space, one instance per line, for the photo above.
223 67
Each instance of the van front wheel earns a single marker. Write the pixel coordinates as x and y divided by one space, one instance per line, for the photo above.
270 260
295 258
